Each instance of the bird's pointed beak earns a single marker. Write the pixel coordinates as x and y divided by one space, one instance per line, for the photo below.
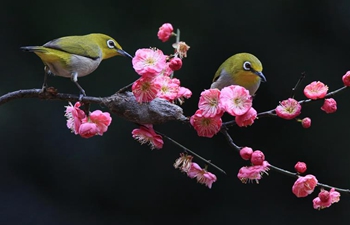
261 75
123 53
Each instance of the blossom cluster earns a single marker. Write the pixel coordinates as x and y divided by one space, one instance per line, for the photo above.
213 103
156 71
96 123
305 185
259 165
316 90
193 170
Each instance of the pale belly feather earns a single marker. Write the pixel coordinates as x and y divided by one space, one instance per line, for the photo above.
79 64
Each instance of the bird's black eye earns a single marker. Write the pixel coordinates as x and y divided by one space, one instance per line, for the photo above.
247 65
110 44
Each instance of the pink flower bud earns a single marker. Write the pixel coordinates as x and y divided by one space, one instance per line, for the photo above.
175 63
306 122
346 79
88 130
329 105
300 167
165 32
246 153
324 196
257 158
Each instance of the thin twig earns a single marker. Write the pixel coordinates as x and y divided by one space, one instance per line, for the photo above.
123 89
301 78
192 152
223 130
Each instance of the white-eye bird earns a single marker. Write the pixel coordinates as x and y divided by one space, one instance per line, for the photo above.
76 56
242 69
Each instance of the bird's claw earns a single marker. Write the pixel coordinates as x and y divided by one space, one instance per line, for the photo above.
81 97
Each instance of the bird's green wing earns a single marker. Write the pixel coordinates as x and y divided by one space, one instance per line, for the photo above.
78 45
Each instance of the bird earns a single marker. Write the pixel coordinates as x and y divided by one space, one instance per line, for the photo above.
76 56
243 69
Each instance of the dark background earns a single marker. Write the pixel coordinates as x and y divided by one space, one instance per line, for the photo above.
50 176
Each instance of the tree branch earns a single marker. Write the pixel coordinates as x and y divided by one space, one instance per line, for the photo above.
122 104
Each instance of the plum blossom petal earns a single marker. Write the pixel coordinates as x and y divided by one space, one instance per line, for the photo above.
74 116
247 119
146 134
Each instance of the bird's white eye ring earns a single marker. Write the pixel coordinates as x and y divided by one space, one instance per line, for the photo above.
110 44
247 65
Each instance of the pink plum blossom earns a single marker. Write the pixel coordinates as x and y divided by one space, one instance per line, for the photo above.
149 62
145 89
246 153
95 124
315 90
325 199
169 87
300 167
288 109
209 103
206 126
194 171
249 173
235 100
207 178
165 32
101 119
202 176
346 79
146 134
74 116
247 119
175 63
329 105
304 186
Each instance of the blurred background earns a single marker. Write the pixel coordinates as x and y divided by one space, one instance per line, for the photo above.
51 176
